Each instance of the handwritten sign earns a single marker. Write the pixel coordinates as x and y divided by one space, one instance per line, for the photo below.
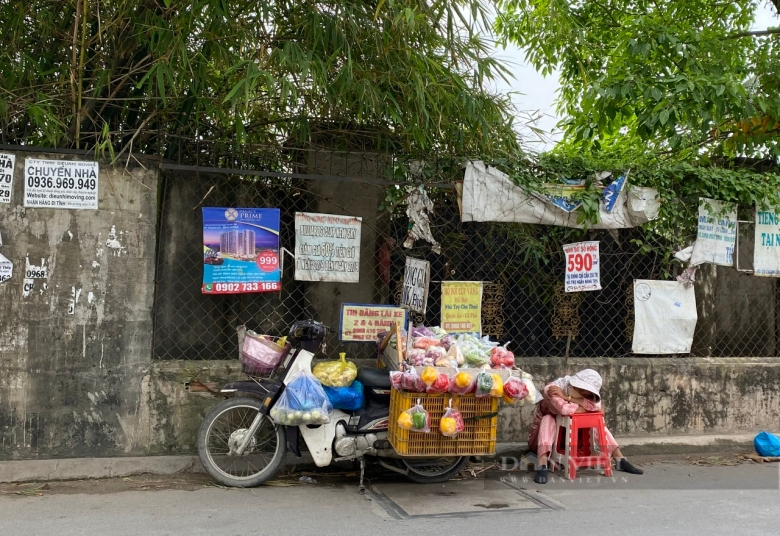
582 266
461 306
417 277
766 256
327 247
362 322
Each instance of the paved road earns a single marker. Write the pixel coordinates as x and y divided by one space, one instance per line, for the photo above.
670 499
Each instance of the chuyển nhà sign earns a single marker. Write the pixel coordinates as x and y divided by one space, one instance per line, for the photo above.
70 184
7 163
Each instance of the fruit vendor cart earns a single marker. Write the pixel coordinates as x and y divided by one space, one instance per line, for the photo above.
412 386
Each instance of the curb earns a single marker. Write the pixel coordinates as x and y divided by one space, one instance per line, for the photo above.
88 468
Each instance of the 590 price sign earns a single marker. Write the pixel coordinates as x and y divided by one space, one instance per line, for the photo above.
582 266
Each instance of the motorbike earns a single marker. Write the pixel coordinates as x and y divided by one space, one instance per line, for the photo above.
241 446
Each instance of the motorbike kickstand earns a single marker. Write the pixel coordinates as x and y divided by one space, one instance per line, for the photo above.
362 487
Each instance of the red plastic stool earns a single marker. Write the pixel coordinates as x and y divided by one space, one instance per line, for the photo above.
575 448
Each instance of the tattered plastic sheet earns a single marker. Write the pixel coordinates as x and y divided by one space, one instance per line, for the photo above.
418 206
664 317
490 195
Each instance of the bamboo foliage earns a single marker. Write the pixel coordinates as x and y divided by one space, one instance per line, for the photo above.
400 75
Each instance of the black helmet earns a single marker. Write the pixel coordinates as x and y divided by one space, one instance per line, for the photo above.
307 333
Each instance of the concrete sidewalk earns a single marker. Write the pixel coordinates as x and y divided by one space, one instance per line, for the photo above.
671 498
82 468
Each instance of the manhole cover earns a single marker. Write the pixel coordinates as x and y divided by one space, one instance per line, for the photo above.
462 497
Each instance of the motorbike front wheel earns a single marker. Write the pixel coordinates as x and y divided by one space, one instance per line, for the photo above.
434 470
222 432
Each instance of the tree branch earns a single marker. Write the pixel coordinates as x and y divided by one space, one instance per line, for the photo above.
757 33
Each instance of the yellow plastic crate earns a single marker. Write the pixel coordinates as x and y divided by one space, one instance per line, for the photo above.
479 437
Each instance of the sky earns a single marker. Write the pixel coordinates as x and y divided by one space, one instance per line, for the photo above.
532 92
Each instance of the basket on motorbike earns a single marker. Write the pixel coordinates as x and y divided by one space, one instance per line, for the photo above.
479 437
261 354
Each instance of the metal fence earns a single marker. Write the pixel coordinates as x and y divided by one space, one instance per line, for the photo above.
522 267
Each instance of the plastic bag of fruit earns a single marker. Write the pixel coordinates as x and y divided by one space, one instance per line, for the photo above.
302 402
451 423
339 373
415 419
462 383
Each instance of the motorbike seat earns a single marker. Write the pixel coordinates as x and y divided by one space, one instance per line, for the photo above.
374 377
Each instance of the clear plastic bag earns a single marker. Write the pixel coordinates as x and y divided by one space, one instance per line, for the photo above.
396 379
501 358
455 354
440 385
484 383
302 402
514 389
451 423
534 396
411 382
429 375
497 391
347 398
462 383
415 419
339 373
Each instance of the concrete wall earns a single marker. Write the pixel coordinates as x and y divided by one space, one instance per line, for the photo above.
641 397
668 396
71 384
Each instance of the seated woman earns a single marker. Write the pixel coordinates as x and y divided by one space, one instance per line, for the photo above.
566 396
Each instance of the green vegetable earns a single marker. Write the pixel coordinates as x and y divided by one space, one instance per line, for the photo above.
475 358
484 382
420 419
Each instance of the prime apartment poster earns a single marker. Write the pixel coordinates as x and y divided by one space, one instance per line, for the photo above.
240 250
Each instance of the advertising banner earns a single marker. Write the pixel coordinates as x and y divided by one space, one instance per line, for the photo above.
582 266
7 162
461 306
717 233
240 250
60 184
327 247
363 322
766 254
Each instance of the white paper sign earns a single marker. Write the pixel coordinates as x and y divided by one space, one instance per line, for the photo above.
60 184
664 317
32 271
327 247
417 278
7 162
717 233
6 268
766 256
582 266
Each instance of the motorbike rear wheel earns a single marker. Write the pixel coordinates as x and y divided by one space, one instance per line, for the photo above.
434 470
223 430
